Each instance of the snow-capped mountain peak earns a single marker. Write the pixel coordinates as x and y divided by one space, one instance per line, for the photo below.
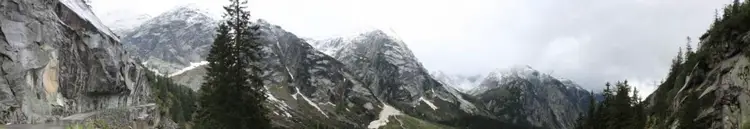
173 39
524 72
517 70
123 21
189 13
332 45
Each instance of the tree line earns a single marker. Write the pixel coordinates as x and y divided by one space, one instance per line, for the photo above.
620 109
722 40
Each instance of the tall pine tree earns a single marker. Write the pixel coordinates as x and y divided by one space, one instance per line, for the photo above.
232 96
210 101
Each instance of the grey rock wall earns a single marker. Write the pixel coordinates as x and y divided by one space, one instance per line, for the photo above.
55 62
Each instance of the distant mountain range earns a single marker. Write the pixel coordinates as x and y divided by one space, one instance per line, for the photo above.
357 81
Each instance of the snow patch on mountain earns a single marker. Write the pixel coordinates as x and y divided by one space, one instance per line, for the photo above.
290 73
463 103
156 71
191 18
382 120
309 102
389 32
280 104
524 72
333 46
328 46
83 11
428 103
192 66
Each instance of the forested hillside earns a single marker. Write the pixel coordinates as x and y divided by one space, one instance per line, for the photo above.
706 88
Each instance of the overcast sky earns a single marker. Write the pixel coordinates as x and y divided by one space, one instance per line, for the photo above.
588 41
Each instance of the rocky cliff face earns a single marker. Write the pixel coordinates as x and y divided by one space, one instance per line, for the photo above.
709 90
315 85
172 40
57 60
539 99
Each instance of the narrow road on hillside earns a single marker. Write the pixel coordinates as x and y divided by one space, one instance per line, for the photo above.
82 116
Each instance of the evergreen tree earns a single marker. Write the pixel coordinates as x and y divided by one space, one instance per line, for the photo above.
621 106
210 98
588 121
679 58
640 118
247 70
581 122
689 109
607 92
688 48
173 100
635 98
619 111
232 96
735 6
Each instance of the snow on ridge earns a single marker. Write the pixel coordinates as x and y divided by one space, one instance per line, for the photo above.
428 103
191 14
279 103
328 46
522 71
309 102
570 84
463 103
385 31
289 72
152 69
192 66
382 120
83 11
213 12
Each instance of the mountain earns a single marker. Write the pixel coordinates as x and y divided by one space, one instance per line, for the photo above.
306 87
526 96
59 60
394 75
366 80
708 88
172 40
461 82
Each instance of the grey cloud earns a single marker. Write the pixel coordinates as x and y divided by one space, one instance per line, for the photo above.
588 41
617 39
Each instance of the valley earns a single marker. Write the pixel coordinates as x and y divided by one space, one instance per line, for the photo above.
61 65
